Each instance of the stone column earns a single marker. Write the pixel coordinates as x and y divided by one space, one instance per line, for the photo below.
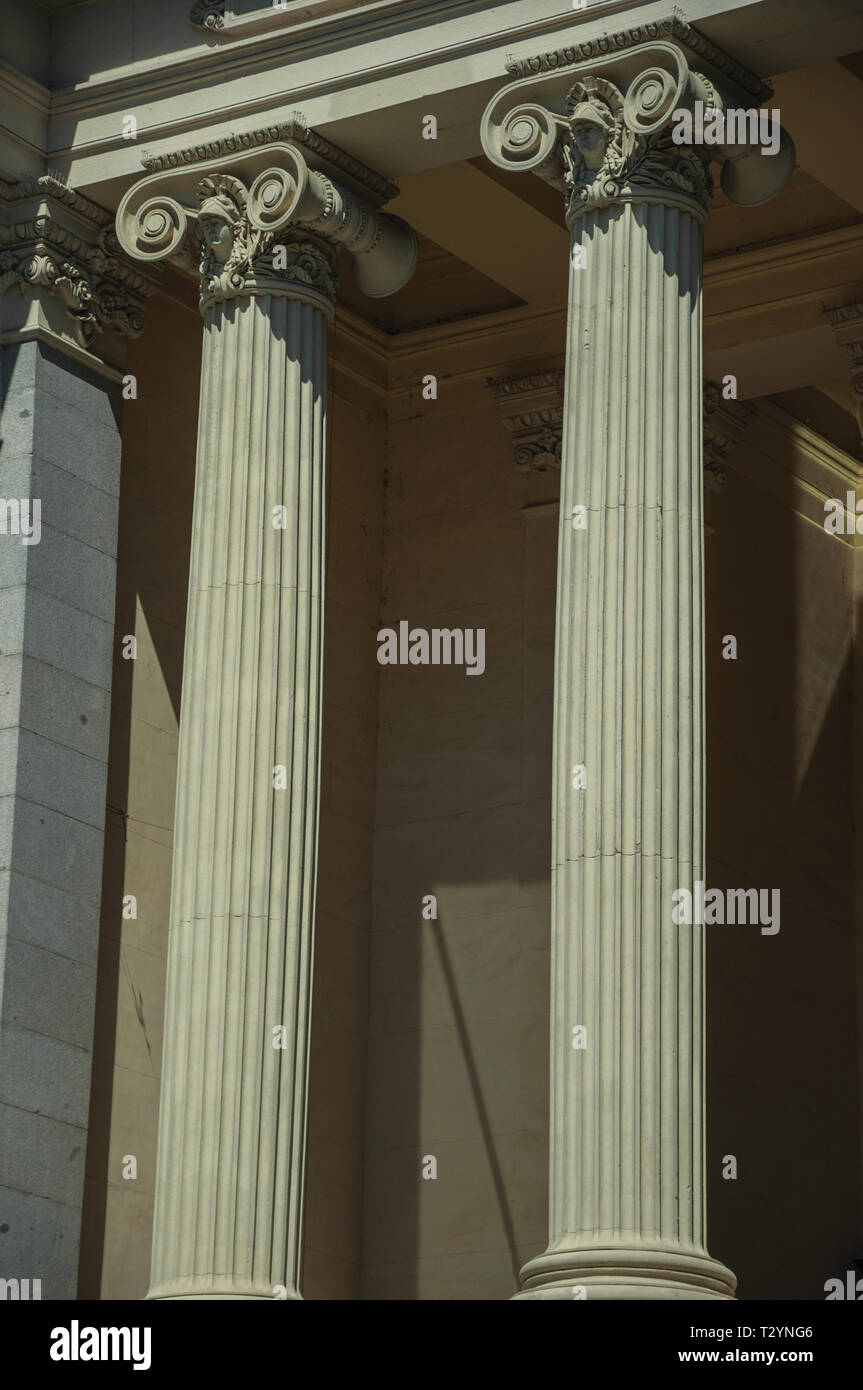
627 1007
67 301
264 228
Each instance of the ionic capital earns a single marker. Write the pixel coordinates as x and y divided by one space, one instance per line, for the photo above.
63 268
597 121
265 220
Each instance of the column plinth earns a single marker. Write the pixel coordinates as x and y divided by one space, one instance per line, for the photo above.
626 1206
264 229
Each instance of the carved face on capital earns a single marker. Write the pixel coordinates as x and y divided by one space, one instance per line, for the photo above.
591 130
217 229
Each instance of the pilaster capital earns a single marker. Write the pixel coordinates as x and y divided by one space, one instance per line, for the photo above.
847 324
251 215
532 411
63 266
531 408
725 423
597 121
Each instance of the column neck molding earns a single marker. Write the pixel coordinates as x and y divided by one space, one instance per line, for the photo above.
267 218
597 122
63 264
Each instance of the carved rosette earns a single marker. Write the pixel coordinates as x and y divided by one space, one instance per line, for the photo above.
208 14
53 239
264 222
601 130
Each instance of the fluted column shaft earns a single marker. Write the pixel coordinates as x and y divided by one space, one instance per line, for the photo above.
261 228
627 1190
229 1200
613 125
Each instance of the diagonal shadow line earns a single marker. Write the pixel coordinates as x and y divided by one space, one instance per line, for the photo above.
479 1102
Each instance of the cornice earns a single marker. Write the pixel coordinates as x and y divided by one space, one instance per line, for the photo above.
793 463
673 27
792 252
365 24
840 468
53 187
295 130
25 89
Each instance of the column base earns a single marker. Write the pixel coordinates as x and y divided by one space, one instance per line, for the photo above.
616 1272
205 1290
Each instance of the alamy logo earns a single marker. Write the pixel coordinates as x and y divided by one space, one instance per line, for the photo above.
15 519
736 905
713 126
852 1288
20 1289
76 1343
844 518
442 646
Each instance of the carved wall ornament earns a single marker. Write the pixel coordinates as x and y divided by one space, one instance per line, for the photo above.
54 239
208 14
531 408
847 324
532 411
725 423
601 130
264 221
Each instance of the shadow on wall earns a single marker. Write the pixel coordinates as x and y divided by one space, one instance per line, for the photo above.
782 1081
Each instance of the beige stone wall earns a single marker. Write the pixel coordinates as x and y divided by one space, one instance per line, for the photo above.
783 1031
458 1047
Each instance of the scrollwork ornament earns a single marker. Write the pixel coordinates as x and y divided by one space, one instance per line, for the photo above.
208 14
239 257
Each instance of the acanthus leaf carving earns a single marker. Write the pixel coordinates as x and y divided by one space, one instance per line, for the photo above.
100 290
